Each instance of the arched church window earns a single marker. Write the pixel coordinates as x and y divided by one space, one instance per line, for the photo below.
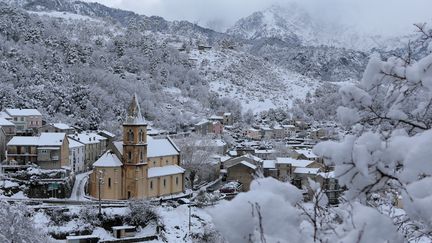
130 135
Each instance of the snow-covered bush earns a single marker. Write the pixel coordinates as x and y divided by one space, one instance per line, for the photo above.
267 212
141 213
388 150
16 226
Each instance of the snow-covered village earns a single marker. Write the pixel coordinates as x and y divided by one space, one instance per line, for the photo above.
215 121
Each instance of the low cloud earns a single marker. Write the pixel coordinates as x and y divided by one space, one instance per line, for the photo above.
369 16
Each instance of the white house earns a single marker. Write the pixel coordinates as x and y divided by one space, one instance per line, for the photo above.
76 155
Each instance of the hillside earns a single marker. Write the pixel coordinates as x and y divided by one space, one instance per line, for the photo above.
78 62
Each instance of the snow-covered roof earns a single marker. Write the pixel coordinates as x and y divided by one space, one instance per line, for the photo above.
108 133
165 171
119 146
248 165
23 141
293 162
288 126
302 170
214 117
123 227
4 122
108 159
202 122
87 138
160 147
23 112
269 164
45 139
307 153
75 144
4 115
264 151
51 139
61 126
253 157
227 114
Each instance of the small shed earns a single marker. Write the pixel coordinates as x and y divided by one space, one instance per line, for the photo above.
82 239
124 231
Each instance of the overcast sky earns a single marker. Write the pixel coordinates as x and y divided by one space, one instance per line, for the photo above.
379 16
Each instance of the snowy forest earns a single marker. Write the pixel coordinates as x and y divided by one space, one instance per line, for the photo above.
83 72
79 64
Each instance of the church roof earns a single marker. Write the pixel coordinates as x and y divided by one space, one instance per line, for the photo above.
160 147
108 159
165 171
155 147
134 116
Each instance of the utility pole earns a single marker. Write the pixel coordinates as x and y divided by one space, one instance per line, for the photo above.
100 181
189 217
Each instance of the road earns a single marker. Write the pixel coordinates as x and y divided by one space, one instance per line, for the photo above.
78 190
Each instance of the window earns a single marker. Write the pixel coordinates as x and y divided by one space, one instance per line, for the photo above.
151 185
141 155
164 182
130 135
176 180
109 182
130 155
166 161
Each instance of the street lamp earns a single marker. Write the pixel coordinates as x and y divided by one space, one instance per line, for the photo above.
100 182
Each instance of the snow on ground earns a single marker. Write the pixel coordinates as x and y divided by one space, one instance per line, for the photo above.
176 221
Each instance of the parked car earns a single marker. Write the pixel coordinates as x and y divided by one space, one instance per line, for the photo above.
231 187
182 201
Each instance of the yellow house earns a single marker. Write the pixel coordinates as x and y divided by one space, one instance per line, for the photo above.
139 166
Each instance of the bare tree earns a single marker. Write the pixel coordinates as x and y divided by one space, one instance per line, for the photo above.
196 154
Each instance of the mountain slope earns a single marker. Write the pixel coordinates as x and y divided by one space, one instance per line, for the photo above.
294 25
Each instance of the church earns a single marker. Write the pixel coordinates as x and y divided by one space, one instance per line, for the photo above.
138 167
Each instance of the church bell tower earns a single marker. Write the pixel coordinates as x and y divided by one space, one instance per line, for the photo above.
135 151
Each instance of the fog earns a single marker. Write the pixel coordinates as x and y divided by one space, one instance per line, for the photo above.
389 17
